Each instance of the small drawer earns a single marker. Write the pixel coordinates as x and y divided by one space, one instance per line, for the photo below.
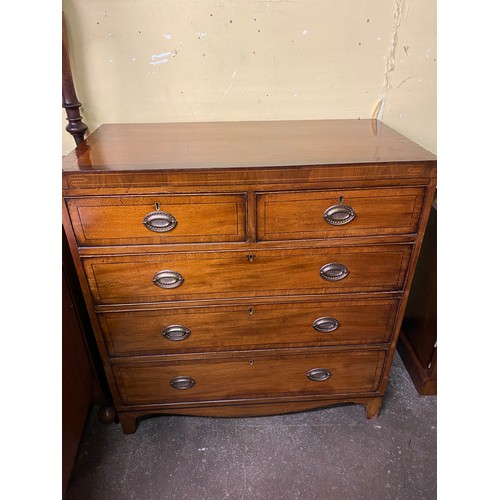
222 328
333 214
264 273
140 220
252 376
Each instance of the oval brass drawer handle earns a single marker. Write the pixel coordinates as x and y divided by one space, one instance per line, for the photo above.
318 374
167 279
333 272
338 215
159 222
175 333
325 325
182 383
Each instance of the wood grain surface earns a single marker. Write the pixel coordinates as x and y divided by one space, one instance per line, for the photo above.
241 144
254 376
226 328
115 280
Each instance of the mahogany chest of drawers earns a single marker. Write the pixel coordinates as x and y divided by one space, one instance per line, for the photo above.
246 268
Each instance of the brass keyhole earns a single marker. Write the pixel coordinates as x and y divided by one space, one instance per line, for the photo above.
157 206
250 257
250 310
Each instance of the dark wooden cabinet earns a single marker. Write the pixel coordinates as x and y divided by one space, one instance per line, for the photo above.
417 344
246 268
78 377
83 381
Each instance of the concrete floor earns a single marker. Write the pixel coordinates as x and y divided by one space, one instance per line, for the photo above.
323 454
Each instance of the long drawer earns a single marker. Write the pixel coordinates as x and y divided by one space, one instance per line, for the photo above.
293 215
129 220
252 376
291 324
309 271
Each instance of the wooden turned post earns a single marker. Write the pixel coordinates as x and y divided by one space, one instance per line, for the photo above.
70 103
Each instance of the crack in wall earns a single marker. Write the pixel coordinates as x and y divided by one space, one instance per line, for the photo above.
390 62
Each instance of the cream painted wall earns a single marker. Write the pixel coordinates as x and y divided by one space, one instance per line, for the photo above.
206 60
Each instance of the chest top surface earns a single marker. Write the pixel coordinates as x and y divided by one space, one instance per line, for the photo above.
188 146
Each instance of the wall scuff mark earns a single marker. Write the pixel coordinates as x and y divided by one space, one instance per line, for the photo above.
224 95
405 80
162 58
390 59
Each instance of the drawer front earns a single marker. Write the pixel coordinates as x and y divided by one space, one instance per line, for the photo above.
135 220
301 324
343 213
141 278
249 377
